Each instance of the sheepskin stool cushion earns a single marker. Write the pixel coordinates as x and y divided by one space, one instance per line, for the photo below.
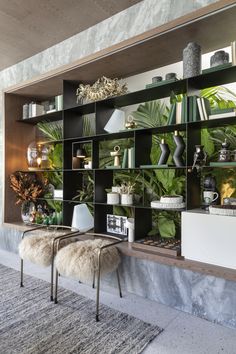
37 248
80 259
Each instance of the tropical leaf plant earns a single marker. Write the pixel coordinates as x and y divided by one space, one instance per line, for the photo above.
219 97
52 130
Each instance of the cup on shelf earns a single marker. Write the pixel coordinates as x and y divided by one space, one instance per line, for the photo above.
209 196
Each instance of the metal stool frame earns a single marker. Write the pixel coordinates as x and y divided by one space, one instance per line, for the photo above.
118 240
54 240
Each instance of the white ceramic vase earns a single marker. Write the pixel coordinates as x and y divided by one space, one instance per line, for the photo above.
130 226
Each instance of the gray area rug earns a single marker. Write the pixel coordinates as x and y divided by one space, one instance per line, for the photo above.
30 323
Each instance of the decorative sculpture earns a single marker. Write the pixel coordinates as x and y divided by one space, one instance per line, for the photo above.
116 154
130 123
191 60
224 153
219 58
101 89
180 146
165 152
199 158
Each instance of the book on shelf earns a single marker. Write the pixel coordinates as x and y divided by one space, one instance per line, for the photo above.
222 115
178 116
182 110
172 115
203 108
194 115
125 159
131 158
223 110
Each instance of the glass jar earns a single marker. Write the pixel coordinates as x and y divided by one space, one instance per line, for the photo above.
37 156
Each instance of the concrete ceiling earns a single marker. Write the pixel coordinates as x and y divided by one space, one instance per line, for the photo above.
30 26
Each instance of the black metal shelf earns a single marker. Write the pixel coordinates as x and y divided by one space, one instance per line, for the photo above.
213 123
85 108
140 206
51 117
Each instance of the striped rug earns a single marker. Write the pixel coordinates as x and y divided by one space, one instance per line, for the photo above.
31 324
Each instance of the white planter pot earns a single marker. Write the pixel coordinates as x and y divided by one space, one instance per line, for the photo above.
113 198
127 199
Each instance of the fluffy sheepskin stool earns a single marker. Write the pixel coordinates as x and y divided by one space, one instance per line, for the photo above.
80 259
83 259
39 248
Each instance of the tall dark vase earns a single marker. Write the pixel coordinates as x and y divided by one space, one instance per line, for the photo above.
165 152
180 146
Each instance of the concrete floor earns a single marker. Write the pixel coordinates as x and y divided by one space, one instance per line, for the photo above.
183 333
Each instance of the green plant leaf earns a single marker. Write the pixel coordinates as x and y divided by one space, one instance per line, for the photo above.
207 142
166 227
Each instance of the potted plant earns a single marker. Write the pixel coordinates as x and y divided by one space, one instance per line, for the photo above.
28 188
127 193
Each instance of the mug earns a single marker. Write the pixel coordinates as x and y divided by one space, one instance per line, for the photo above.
209 196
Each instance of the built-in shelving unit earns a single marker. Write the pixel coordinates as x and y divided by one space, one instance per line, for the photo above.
72 117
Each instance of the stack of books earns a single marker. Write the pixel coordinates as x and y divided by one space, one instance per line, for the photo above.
128 158
194 108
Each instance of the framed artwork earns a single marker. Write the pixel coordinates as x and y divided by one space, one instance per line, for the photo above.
116 224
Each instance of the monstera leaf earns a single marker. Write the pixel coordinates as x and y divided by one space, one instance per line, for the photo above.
151 114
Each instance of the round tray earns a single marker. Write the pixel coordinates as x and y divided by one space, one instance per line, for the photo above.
156 204
227 210
171 199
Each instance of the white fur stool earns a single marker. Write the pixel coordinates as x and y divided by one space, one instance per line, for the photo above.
39 247
84 260
79 260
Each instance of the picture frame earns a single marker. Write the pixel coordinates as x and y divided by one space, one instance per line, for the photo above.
116 224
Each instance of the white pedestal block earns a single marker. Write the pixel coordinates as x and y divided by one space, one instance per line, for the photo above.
209 238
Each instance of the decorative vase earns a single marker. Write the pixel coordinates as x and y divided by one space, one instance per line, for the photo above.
171 76
191 60
27 209
165 152
156 79
219 58
180 146
130 226
127 199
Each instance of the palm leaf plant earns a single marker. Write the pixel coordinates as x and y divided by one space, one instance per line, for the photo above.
51 130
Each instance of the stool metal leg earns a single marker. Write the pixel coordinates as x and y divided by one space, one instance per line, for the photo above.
118 281
94 275
56 287
52 273
98 286
21 272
